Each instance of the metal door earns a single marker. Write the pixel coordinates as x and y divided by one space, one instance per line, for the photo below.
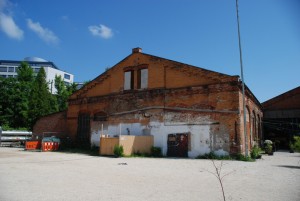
83 129
178 145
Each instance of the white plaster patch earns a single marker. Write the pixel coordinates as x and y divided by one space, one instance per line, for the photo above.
221 152
198 133
96 131
201 138
126 129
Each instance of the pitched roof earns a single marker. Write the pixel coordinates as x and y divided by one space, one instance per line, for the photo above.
287 100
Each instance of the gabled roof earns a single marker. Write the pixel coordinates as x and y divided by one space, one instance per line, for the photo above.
138 51
287 100
191 66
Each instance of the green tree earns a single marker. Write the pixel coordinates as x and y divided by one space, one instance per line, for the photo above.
71 88
62 93
22 95
25 73
14 97
7 87
42 102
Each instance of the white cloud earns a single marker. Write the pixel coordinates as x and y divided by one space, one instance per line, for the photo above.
101 31
44 33
7 23
9 27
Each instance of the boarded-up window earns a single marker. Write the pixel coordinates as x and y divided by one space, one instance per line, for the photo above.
142 79
128 80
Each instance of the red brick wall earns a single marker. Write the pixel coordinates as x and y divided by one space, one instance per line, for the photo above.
51 125
162 73
254 115
170 84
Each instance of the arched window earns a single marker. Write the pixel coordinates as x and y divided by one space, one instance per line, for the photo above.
259 131
248 126
254 127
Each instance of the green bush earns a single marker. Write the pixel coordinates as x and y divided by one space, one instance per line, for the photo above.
139 154
241 157
209 155
212 155
156 151
6 127
118 151
255 152
268 146
295 145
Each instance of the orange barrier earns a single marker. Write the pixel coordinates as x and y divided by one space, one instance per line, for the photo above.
32 145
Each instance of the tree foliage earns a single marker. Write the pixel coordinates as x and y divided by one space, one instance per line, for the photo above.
72 88
25 73
26 98
63 92
42 102
7 98
14 98
25 80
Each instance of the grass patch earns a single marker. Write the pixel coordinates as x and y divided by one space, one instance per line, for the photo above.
141 155
156 152
213 156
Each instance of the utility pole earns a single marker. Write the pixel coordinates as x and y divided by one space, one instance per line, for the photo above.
242 77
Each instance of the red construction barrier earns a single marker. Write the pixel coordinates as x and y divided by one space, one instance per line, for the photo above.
50 146
32 145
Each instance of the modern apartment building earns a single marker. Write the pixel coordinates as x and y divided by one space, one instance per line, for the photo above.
8 68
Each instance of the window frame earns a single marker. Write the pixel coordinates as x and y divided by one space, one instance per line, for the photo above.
131 84
140 84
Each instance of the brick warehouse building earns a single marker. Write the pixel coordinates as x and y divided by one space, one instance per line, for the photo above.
282 118
189 110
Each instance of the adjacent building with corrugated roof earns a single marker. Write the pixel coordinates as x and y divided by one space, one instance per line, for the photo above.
282 117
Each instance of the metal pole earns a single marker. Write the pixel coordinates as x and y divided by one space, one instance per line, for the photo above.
242 77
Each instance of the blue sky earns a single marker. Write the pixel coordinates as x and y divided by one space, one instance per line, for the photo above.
83 37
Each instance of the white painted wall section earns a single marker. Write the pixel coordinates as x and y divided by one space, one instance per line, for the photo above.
200 128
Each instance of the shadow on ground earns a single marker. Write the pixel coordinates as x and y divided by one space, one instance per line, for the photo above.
289 166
